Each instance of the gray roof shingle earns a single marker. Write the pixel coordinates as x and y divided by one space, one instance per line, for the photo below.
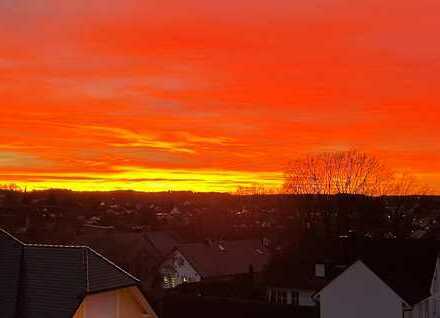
42 281
10 267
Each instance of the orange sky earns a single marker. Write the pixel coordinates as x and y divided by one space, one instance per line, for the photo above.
208 95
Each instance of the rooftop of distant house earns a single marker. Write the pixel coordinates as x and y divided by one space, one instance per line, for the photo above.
225 258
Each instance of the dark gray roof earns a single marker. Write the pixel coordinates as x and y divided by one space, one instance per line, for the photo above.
133 250
232 258
406 266
43 281
10 267
164 242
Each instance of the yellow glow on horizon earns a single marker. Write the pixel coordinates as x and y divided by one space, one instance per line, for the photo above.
154 180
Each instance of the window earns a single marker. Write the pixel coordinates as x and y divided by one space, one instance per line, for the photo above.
169 281
283 298
278 297
295 298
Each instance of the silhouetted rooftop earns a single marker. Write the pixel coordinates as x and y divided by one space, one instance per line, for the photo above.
52 280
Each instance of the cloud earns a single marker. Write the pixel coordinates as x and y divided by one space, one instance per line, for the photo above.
216 85
9 159
132 139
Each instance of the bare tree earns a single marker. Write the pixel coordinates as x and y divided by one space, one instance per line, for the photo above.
354 173
348 172
256 189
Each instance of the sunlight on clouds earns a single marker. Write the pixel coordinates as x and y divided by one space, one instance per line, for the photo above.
138 140
214 88
141 179
10 159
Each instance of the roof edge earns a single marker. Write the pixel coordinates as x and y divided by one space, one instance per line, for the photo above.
317 294
137 280
12 237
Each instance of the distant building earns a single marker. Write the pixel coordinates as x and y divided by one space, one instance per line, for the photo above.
65 281
213 261
140 253
400 279
298 289
296 274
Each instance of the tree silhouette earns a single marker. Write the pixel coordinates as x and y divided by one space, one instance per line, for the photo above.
350 173
344 172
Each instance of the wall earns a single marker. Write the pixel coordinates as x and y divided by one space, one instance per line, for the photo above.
176 270
121 303
304 297
429 308
359 293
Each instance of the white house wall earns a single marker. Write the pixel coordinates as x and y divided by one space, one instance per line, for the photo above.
178 268
429 308
359 293
306 298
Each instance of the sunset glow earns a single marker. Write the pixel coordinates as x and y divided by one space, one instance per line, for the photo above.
212 95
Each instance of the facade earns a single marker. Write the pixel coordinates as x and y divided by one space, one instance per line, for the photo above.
140 253
121 303
360 293
429 307
44 281
290 296
176 270
213 261
365 291
298 286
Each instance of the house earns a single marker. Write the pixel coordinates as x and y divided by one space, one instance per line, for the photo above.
296 274
298 288
209 260
49 281
140 253
393 280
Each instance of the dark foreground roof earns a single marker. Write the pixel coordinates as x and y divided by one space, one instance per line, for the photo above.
406 266
41 281
195 307
226 258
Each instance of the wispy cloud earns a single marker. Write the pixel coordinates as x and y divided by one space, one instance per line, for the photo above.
133 139
10 159
215 86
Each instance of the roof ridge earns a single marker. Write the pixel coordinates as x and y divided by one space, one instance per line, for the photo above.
12 236
53 245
